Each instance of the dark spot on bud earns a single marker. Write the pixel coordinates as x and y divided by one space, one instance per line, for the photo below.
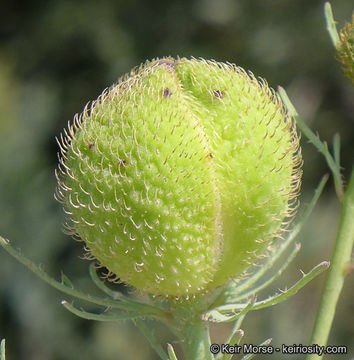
210 156
122 162
218 94
166 62
167 92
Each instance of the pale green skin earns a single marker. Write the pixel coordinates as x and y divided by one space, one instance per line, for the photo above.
181 175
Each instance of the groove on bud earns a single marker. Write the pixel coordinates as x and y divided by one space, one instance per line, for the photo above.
178 177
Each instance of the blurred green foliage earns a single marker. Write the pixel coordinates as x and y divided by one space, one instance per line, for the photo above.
57 55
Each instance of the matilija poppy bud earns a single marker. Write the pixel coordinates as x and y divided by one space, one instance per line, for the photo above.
179 177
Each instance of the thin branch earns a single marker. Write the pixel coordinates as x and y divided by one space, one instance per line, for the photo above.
336 149
321 147
236 337
116 295
171 352
251 356
257 289
102 317
336 275
152 340
2 350
68 289
317 270
284 295
236 334
215 315
331 25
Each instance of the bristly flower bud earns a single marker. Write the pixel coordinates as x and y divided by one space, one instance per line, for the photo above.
346 49
180 176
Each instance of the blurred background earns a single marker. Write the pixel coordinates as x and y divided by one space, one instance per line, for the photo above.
55 56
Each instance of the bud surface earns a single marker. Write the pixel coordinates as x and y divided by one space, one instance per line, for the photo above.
179 177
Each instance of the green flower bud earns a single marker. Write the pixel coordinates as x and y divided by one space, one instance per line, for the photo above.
346 49
179 177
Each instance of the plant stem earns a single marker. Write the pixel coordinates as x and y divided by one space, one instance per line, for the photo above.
189 327
196 344
337 271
